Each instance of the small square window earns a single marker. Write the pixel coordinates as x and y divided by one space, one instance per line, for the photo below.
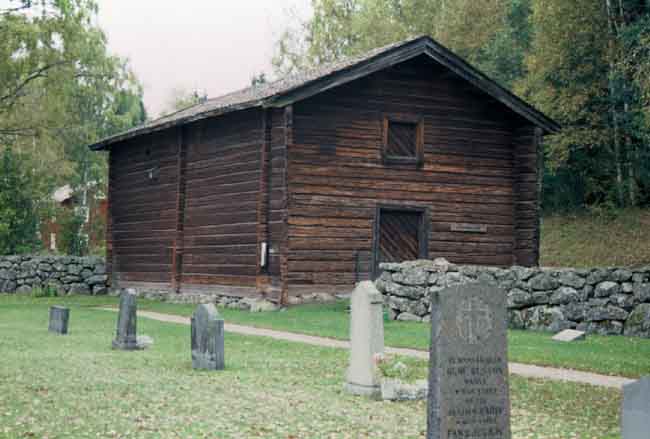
402 140
402 137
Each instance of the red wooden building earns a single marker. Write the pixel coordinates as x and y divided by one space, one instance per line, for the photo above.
65 198
290 187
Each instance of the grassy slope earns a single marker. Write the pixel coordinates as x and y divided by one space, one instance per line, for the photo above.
584 240
75 386
608 355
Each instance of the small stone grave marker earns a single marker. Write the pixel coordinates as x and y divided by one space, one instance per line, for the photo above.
207 338
59 317
126 334
635 419
569 335
468 368
366 339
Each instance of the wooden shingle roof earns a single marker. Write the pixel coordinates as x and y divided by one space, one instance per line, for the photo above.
302 85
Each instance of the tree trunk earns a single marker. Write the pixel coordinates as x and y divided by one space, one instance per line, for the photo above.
612 95
617 156
630 151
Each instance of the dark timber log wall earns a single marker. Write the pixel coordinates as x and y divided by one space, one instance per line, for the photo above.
221 207
142 215
337 177
277 200
199 231
189 206
527 144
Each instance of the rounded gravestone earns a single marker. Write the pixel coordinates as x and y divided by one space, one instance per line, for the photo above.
126 333
207 338
59 317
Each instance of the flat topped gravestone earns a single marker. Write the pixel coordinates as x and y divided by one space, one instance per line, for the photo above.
126 334
207 338
468 366
366 339
569 335
635 417
59 317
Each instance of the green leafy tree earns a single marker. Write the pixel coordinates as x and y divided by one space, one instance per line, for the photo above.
582 71
181 98
18 211
630 29
572 91
61 90
258 79
73 237
503 56
474 30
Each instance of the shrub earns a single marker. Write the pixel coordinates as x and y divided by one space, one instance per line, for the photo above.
405 369
73 239
45 291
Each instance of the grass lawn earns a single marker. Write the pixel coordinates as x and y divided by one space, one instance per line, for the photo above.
588 240
607 355
75 386
624 356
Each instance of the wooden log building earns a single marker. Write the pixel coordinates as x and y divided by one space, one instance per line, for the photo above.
307 183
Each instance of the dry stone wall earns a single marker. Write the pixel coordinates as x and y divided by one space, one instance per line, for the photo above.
252 304
60 274
607 301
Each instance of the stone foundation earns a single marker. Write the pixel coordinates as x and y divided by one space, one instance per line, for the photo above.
59 274
24 274
227 301
607 301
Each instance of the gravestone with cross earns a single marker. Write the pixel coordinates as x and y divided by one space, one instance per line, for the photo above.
468 375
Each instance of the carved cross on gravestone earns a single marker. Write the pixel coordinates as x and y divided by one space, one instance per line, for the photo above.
207 338
474 320
126 334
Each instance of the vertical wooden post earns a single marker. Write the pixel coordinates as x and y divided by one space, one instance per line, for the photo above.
539 150
263 200
527 195
284 248
109 224
177 250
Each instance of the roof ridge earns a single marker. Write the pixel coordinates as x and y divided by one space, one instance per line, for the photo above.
319 78
305 72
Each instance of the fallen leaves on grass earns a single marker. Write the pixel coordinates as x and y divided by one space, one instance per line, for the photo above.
270 389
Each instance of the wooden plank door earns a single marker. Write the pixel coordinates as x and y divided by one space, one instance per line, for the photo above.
399 236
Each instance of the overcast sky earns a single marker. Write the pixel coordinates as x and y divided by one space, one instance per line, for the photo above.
215 45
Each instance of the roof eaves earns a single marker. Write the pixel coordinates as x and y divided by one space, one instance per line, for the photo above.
382 59
489 86
147 129
349 73
422 45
